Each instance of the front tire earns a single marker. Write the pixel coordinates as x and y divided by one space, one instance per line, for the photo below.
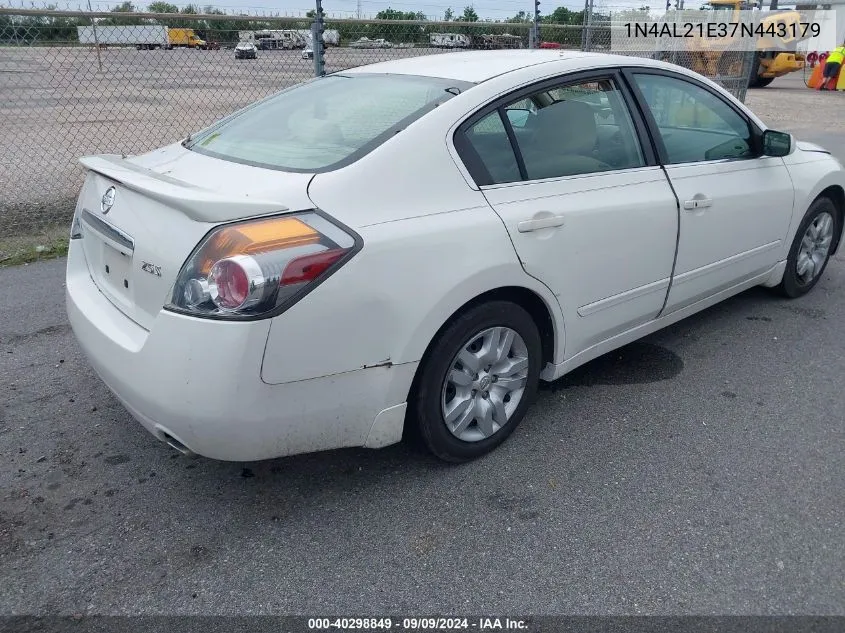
478 381
811 249
760 82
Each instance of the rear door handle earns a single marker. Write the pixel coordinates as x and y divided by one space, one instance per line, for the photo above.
697 203
526 226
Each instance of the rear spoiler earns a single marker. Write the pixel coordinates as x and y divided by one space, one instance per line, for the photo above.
198 203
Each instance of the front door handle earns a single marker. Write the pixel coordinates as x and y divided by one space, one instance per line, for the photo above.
697 203
526 226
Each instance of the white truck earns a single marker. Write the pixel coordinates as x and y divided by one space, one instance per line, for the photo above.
330 37
449 40
285 39
141 36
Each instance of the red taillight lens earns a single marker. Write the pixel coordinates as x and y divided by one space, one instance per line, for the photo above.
257 268
229 284
309 267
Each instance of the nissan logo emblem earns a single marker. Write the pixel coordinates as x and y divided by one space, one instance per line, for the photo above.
107 201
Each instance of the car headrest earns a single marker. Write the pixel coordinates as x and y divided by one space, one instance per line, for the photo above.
568 126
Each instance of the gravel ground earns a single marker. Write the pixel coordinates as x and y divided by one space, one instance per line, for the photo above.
788 104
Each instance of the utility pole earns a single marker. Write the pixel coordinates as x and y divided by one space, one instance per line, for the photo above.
588 21
584 21
317 40
535 27
96 39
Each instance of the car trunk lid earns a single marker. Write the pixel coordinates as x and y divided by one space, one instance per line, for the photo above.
158 208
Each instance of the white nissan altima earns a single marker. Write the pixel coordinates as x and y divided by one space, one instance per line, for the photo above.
416 243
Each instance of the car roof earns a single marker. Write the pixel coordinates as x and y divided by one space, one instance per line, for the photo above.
481 65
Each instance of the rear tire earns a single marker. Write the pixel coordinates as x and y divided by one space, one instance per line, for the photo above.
808 256
483 368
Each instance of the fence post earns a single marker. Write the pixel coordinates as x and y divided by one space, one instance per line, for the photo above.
534 39
96 40
317 40
588 25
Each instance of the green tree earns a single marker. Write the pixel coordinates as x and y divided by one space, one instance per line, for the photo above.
400 32
125 7
449 15
469 15
632 15
162 7
565 37
562 15
28 30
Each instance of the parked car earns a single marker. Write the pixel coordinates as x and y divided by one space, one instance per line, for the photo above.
308 53
246 50
365 42
450 231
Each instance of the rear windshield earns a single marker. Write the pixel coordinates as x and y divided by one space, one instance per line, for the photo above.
326 123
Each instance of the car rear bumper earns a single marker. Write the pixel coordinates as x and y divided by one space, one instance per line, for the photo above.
198 382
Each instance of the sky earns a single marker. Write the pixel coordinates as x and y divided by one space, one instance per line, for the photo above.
433 9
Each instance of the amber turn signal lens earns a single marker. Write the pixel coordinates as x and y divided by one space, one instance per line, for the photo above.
256 237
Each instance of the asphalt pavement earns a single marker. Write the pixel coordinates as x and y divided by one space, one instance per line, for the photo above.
698 471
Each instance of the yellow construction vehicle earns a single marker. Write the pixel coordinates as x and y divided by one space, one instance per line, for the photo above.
776 56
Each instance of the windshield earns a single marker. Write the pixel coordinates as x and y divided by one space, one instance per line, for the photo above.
325 123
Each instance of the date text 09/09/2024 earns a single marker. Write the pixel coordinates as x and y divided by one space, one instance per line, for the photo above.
417 624
722 29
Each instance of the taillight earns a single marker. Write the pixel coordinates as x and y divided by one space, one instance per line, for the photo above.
257 268
229 283
309 267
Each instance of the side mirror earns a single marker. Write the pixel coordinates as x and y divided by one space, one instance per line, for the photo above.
776 143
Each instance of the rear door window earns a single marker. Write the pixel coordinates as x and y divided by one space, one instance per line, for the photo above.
565 130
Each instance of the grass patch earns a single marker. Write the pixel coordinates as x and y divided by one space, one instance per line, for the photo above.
26 249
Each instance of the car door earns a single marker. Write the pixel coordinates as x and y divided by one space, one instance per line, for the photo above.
589 211
736 205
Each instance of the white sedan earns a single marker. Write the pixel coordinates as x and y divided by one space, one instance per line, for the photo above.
413 245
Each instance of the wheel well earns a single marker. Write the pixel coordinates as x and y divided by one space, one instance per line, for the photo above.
837 194
523 297
528 301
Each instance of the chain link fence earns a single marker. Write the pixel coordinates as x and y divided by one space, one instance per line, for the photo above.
76 82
